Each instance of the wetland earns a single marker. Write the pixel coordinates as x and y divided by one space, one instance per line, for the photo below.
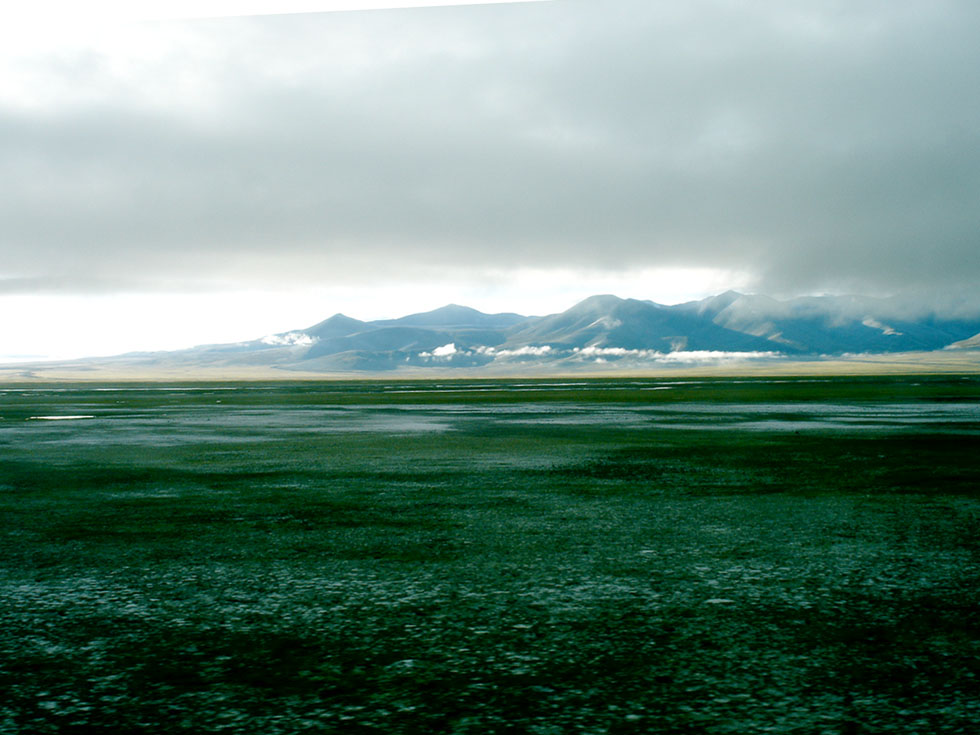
716 555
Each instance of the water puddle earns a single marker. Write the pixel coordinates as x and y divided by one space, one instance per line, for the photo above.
60 418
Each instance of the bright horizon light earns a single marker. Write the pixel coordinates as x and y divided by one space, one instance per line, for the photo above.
143 10
70 326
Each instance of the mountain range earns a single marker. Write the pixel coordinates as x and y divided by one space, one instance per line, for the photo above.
600 329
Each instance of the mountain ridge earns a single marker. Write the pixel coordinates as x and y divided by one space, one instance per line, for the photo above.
599 329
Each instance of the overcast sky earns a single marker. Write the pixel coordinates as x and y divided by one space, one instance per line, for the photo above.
198 180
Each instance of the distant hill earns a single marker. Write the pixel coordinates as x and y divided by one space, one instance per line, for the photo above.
600 329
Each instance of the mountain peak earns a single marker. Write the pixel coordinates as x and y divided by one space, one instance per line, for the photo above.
598 303
721 301
454 310
339 325
339 318
454 316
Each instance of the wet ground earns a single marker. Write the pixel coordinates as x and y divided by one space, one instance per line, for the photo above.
492 556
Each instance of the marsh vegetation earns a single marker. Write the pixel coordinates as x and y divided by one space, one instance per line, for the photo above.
594 556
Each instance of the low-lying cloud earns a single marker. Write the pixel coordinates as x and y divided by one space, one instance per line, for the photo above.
525 351
290 339
594 354
445 351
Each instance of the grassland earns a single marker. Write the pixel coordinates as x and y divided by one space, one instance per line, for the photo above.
536 556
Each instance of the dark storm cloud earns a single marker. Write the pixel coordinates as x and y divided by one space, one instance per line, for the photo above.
832 145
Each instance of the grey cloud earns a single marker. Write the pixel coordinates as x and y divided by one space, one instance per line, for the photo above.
818 146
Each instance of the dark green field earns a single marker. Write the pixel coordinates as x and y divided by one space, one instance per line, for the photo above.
634 556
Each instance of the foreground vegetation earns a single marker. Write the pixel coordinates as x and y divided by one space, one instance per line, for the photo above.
496 557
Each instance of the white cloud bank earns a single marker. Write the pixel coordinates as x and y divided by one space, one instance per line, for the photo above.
600 354
713 356
446 351
526 351
293 339
603 354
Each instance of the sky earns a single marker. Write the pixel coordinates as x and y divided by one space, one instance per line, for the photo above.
186 180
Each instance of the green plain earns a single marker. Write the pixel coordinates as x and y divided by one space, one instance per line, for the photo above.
496 556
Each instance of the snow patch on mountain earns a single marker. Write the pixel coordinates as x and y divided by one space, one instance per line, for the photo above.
884 328
606 322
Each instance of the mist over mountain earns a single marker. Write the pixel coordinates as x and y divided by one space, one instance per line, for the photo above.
600 330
